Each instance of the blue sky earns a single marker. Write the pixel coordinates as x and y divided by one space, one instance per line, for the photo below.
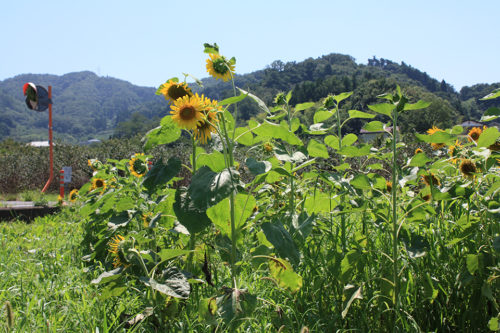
147 42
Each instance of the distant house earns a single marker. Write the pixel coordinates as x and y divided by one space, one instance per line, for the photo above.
468 124
38 144
369 136
91 142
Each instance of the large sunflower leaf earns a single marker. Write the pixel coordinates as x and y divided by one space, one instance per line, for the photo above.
208 188
167 132
190 216
161 174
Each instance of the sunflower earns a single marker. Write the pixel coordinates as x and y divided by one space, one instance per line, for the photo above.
268 147
431 131
98 183
418 151
474 134
95 164
173 90
206 127
138 166
73 195
146 219
116 248
388 185
187 111
453 150
219 67
467 168
60 199
431 179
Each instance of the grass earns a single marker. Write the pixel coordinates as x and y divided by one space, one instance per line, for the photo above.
29 195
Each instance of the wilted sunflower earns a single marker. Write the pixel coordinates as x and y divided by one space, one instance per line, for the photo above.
98 183
219 67
474 134
431 178
431 131
173 90
73 195
467 168
418 151
187 111
137 166
115 247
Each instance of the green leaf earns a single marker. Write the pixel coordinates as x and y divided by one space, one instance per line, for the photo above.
207 309
374 126
283 273
348 265
303 106
316 149
209 48
493 95
361 181
271 130
214 160
108 276
340 97
355 295
332 141
277 235
189 215
472 262
208 188
112 289
360 114
419 160
244 136
438 137
355 151
491 114
220 214
383 108
167 254
349 139
322 115
161 174
416 106
167 132
493 324
229 121
233 100
175 283
261 103
258 167
488 137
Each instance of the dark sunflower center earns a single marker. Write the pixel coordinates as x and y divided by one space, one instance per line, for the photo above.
187 113
475 136
468 168
220 66
99 183
139 167
177 91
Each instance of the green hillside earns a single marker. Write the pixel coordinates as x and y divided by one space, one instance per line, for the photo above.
88 106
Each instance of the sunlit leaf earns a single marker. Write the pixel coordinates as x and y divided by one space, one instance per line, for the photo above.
208 188
416 106
233 100
488 137
322 115
384 108
340 97
277 235
258 167
316 149
493 95
360 114
282 272
167 132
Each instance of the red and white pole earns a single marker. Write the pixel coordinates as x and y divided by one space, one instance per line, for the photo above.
61 183
51 146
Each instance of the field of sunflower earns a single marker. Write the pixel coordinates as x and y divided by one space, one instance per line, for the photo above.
280 227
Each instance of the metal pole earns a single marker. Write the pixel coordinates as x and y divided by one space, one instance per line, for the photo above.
51 150
61 183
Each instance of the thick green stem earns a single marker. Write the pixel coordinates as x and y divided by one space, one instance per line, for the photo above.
192 239
342 197
394 212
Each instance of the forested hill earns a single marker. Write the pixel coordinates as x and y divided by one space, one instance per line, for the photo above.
87 106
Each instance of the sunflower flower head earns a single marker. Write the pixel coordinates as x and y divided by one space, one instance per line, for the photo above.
60 199
146 219
474 134
280 99
219 67
138 165
467 168
431 131
206 126
268 147
173 90
388 186
187 111
95 164
431 179
73 195
118 247
98 183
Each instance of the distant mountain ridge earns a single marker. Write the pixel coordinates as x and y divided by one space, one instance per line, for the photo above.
89 106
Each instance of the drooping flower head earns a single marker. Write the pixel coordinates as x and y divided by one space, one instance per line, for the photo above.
431 179
219 67
138 165
73 195
117 248
187 111
431 131
467 168
173 90
474 134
